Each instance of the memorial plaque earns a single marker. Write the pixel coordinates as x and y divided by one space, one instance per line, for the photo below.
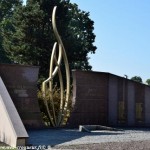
139 103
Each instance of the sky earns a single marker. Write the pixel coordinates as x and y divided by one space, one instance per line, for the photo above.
122 29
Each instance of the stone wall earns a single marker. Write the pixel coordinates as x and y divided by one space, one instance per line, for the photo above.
107 99
90 98
21 83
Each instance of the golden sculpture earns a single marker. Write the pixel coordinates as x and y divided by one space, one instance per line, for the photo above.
47 85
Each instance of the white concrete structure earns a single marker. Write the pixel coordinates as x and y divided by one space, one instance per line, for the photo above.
12 130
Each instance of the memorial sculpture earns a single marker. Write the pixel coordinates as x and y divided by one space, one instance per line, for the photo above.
47 85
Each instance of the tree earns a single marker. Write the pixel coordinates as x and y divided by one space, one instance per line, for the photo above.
7 8
6 12
137 79
148 81
32 38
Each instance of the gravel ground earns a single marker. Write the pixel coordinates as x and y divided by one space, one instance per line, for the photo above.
133 145
138 145
128 139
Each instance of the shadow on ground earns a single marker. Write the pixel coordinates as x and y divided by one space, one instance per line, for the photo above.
58 136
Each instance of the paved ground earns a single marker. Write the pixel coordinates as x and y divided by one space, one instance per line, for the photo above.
133 145
130 139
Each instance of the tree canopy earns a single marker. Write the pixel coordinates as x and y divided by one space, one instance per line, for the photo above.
28 36
137 79
6 12
148 81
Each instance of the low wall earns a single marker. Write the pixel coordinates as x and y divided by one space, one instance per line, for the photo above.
105 99
21 83
12 131
90 99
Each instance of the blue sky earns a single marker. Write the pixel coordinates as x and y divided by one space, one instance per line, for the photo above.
122 29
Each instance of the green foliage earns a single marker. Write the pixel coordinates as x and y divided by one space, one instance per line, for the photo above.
137 79
6 11
7 7
31 37
56 99
26 37
148 81
19 43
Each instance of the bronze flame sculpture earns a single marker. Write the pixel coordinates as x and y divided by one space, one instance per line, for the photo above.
47 85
